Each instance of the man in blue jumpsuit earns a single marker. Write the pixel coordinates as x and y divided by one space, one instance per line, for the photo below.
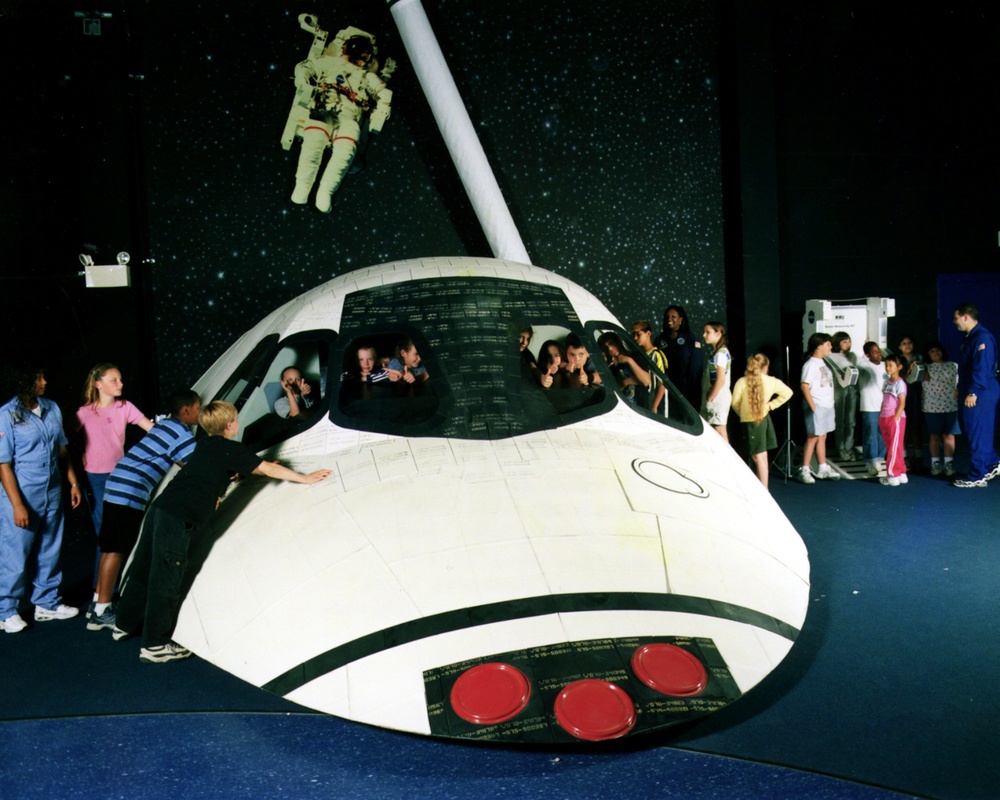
978 392
32 443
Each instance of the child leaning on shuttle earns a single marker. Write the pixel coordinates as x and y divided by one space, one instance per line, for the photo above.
129 487
151 597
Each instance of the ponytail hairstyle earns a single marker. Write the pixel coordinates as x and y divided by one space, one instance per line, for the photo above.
756 365
91 394
723 340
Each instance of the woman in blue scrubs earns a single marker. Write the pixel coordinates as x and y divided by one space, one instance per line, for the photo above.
32 445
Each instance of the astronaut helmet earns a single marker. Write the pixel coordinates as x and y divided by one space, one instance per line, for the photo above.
359 50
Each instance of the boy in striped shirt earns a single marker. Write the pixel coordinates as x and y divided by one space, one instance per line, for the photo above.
128 491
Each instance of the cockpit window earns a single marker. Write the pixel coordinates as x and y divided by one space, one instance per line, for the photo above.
478 383
386 379
639 381
280 389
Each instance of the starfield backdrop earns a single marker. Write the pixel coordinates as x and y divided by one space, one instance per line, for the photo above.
601 122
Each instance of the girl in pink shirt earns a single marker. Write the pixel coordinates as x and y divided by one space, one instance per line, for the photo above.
101 423
892 420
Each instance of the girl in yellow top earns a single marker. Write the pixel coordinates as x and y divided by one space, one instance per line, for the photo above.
755 395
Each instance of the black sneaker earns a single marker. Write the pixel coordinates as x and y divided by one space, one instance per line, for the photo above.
171 651
100 621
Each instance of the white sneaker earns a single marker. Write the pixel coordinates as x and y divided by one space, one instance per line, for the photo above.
13 624
827 473
171 651
936 468
59 612
872 469
806 476
902 478
949 469
889 481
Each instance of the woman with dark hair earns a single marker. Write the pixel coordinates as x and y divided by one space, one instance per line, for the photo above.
845 398
939 404
32 445
683 352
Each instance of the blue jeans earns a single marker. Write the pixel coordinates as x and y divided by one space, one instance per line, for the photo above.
97 481
872 444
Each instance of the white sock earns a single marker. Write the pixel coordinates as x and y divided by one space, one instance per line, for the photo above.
100 608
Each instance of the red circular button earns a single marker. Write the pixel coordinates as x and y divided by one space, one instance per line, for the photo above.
595 710
490 693
669 669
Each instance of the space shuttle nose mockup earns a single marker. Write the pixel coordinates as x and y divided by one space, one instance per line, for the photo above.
495 558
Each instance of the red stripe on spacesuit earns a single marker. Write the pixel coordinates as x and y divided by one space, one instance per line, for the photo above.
345 138
316 128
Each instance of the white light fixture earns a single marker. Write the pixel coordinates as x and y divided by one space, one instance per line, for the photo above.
106 276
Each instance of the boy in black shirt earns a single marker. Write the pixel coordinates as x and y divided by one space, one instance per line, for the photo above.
150 597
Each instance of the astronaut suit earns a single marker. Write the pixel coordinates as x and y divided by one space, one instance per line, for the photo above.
344 87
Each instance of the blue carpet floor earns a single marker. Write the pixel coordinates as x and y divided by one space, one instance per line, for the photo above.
889 687
298 756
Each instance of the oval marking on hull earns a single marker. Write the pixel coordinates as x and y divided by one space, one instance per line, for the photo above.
668 478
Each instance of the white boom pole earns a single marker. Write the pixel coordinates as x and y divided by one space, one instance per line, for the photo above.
456 128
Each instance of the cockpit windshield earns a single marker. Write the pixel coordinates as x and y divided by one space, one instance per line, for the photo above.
471 358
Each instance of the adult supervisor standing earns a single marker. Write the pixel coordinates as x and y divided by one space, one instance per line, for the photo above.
978 392
32 447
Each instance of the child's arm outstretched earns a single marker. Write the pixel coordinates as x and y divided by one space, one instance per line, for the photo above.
272 469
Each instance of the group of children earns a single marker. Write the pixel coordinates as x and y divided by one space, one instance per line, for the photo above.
829 405
33 446
885 386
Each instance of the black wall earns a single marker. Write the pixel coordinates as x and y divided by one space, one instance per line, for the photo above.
858 159
887 161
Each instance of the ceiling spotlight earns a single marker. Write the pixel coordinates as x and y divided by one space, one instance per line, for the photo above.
123 258
86 260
